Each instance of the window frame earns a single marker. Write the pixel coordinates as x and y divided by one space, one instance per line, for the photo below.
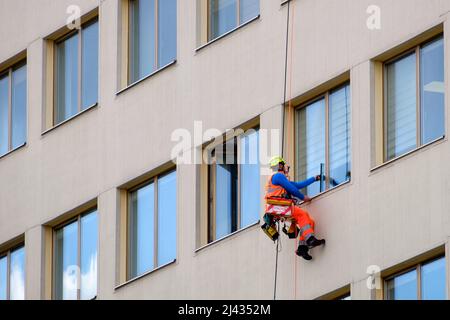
56 42
154 179
128 47
211 183
326 171
8 73
418 268
416 50
239 23
7 254
60 226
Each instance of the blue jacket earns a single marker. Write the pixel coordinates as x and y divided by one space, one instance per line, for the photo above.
292 187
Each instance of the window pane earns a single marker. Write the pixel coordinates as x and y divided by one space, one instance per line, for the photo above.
167 31
250 178
339 136
167 218
89 245
432 90
248 10
142 226
66 262
401 106
17 275
66 79
4 115
433 280
19 106
403 287
311 143
226 189
89 80
3 277
223 17
142 39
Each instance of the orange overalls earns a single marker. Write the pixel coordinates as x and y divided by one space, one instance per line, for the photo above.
300 217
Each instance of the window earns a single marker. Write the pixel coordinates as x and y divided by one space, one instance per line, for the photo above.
12 274
75 258
225 15
423 282
234 179
414 99
152 221
152 36
76 72
13 108
323 140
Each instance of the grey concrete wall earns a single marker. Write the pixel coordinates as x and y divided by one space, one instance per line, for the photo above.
382 217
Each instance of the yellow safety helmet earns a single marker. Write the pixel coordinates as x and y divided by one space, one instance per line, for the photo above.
276 160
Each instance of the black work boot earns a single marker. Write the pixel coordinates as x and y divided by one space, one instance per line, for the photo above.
314 242
302 251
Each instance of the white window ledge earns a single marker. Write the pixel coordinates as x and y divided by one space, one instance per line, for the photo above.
407 154
145 274
70 119
227 33
146 77
12 150
228 236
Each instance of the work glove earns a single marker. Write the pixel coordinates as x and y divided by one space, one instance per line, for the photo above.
291 235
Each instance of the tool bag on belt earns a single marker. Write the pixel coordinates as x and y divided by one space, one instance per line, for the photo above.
279 206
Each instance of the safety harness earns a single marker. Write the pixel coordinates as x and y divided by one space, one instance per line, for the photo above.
278 209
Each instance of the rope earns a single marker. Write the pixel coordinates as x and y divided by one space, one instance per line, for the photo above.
285 76
287 133
276 264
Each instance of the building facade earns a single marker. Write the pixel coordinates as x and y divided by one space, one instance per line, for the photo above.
93 205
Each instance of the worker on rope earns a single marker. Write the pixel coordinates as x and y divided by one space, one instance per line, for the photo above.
279 186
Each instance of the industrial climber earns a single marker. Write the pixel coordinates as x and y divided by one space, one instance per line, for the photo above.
279 187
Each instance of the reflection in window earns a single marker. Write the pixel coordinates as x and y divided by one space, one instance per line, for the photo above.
248 9
89 243
226 182
401 106
225 15
75 275
311 143
4 114
339 136
13 108
66 78
432 90
142 218
250 177
89 59
70 98
433 280
153 36
167 219
314 137
152 225
432 284
12 275
3 277
232 164
403 79
403 287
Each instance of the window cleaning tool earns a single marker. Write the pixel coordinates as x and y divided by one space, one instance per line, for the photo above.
270 227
